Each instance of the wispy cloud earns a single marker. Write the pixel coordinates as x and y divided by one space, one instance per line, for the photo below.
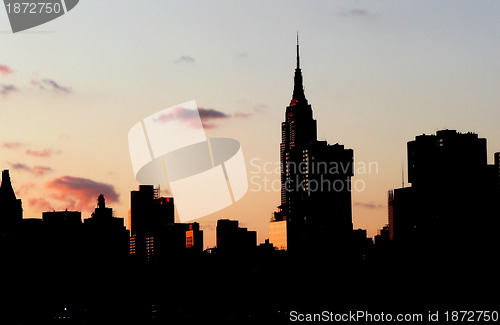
7 89
34 170
46 84
185 59
210 113
40 153
261 108
80 193
12 144
368 205
44 153
241 55
242 115
4 69
208 116
344 12
49 84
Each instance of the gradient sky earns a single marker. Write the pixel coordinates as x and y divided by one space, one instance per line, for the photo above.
377 73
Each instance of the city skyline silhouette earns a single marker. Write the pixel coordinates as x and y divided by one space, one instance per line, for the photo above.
368 131
374 79
154 270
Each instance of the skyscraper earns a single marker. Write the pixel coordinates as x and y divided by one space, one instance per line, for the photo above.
298 130
154 235
148 211
454 192
315 179
149 215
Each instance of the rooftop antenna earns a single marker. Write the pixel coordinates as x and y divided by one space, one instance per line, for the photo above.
298 60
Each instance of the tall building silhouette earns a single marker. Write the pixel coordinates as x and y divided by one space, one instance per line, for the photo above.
154 234
454 192
315 179
148 210
148 214
11 214
11 210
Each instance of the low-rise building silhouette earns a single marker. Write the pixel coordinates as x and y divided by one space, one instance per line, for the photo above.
231 239
63 236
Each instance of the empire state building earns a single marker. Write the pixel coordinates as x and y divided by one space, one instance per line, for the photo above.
315 181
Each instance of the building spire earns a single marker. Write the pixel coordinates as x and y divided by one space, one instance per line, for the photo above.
298 95
298 58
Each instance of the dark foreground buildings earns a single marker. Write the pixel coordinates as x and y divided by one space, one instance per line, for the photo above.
57 268
442 236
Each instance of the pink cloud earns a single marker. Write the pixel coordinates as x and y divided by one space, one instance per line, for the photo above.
40 170
40 203
41 153
12 144
80 193
24 189
5 69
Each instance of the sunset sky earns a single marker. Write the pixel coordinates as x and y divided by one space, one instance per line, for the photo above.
377 73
